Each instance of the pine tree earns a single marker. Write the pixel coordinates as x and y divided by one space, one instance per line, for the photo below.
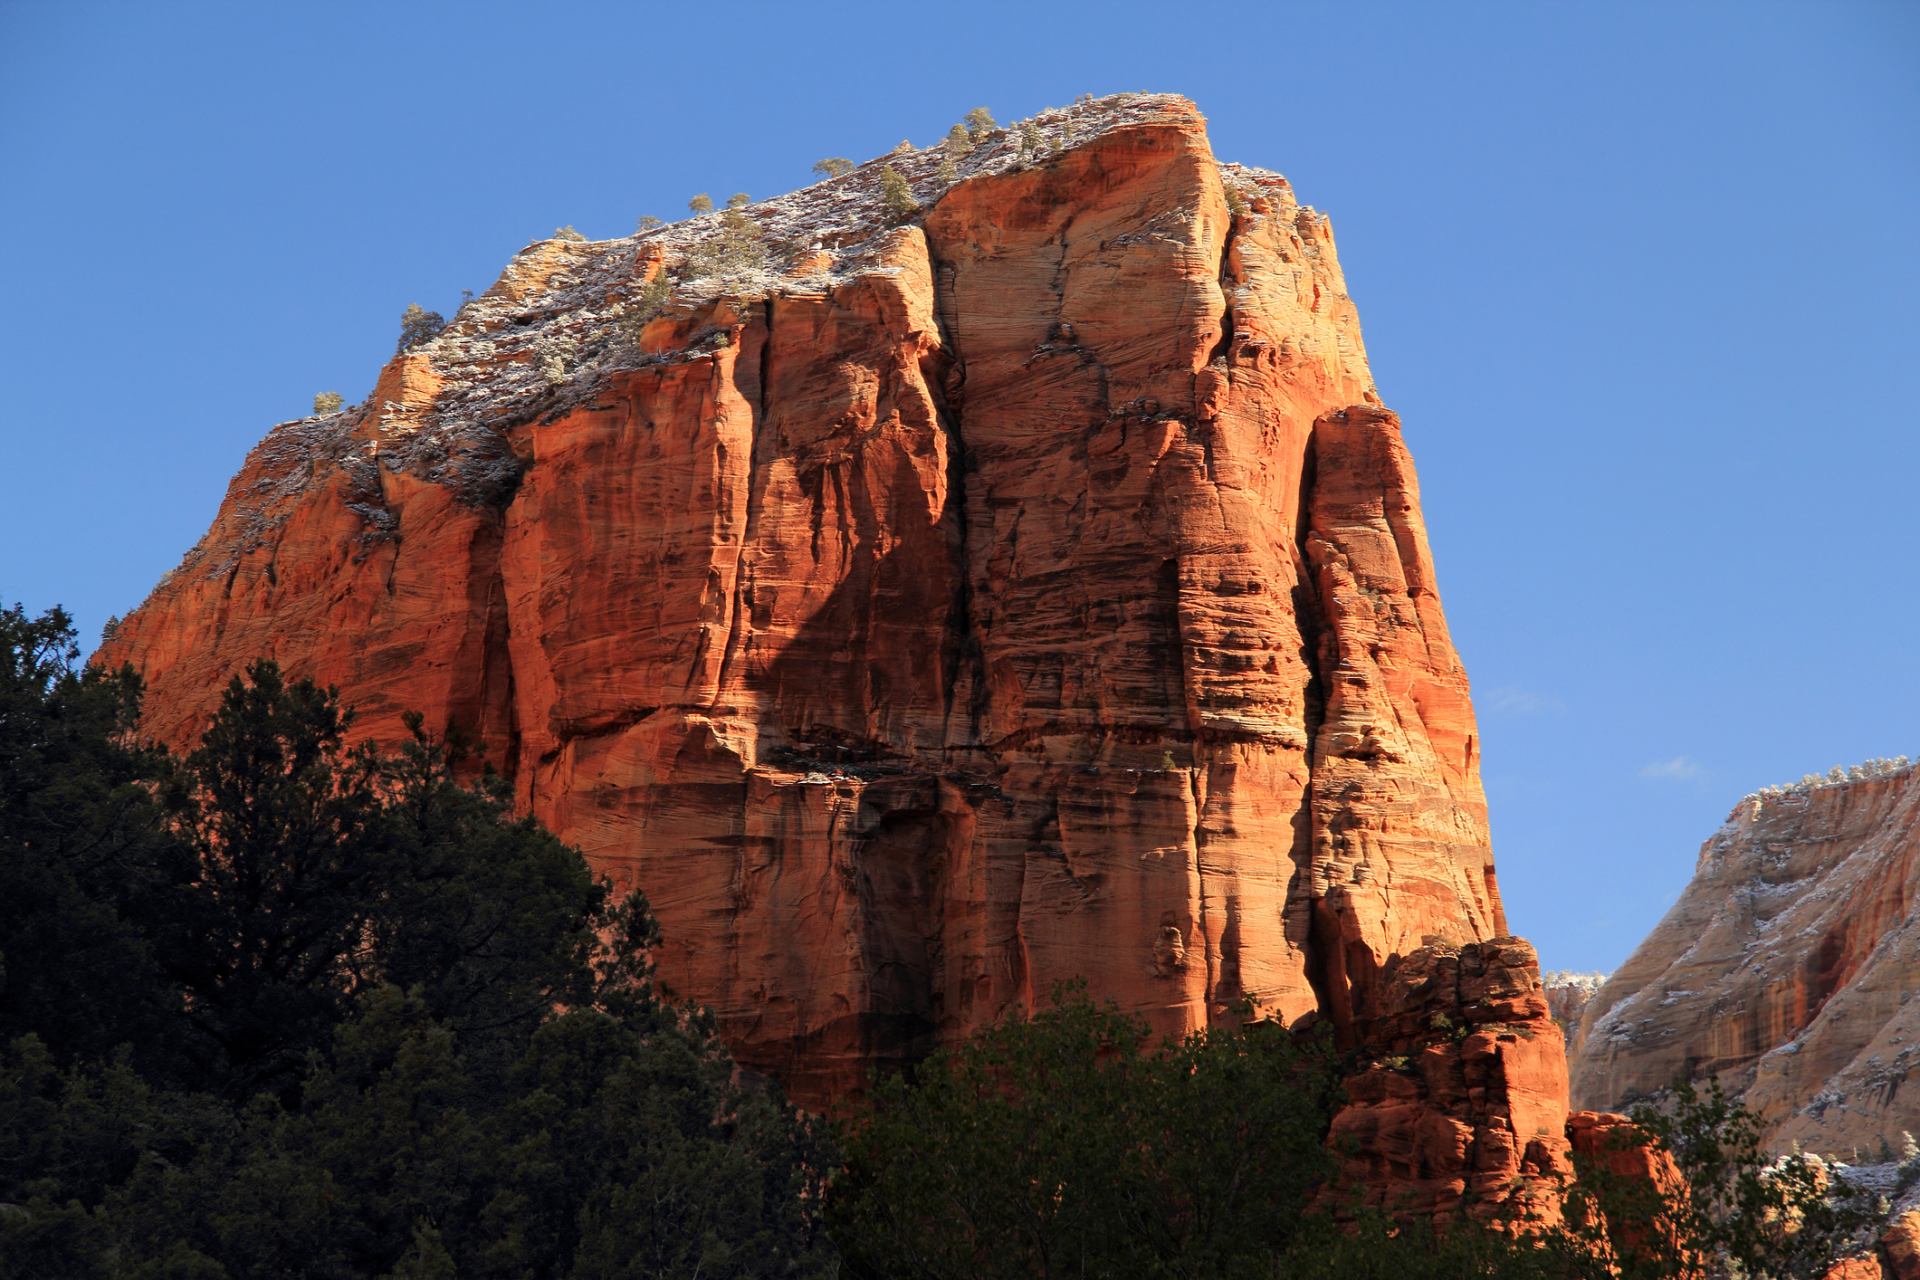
418 325
896 196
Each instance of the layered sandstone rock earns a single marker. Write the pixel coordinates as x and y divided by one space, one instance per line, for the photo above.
939 610
1785 969
1466 1100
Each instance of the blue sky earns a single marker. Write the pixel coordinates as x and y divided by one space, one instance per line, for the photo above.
1640 279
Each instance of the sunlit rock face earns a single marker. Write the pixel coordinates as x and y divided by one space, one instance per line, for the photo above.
933 607
1786 969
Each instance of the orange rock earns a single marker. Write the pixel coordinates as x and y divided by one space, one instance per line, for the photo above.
931 614
1467 1096
1900 1247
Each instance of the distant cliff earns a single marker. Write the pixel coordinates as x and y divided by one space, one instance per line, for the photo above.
987 568
1568 994
1787 969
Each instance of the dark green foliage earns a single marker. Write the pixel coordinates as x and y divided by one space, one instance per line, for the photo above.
833 166
417 325
896 197
82 852
1071 1145
367 1023
1744 1212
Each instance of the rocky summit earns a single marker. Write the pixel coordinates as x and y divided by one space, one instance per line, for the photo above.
984 569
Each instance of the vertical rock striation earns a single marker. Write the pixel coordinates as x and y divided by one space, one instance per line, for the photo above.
945 608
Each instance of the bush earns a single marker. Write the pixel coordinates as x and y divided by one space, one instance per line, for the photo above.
833 166
569 234
289 1007
1740 1211
1073 1145
326 402
649 301
700 204
739 200
1031 143
739 247
418 325
647 223
980 123
896 197
959 141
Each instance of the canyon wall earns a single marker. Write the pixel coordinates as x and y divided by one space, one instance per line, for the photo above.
925 608
1785 970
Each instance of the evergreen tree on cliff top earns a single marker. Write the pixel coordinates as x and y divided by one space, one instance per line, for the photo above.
287 1007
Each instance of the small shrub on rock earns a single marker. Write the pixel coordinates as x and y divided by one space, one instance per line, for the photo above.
895 195
418 325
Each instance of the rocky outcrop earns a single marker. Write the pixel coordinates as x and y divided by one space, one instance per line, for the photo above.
923 608
1785 970
1466 1101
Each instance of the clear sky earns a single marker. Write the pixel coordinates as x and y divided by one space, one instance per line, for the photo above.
1639 277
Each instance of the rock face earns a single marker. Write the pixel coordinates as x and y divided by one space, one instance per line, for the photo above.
1568 995
922 610
1785 969
1467 1099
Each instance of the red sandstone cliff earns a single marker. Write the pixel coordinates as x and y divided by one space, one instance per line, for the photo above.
1785 969
1034 589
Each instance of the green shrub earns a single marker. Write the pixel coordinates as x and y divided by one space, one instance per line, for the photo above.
647 223
833 166
1071 1144
1742 1212
418 325
702 203
568 233
326 402
980 123
896 196
1031 143
648 302
739 200
292 1008
959 141
738 247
